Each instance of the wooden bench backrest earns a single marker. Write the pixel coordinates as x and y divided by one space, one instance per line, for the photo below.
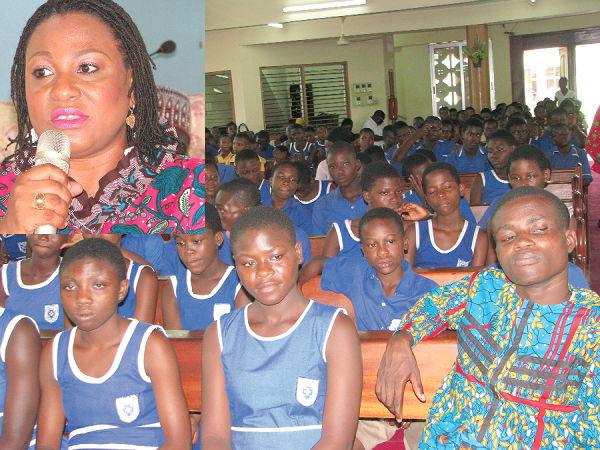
316 245
312 290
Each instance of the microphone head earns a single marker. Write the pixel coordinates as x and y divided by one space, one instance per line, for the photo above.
168 47
54 148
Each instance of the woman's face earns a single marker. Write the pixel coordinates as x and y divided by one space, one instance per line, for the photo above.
76 82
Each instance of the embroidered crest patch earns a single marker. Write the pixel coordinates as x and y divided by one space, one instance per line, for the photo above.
219 309
51 313
306 391
128 408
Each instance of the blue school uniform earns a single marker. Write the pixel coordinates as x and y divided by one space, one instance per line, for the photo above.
483 222
15 245
123 412
465 208
357 280
335 208
546 144
324 189
300 214
148 246
493 187
268 153
349 243
39 301
430 255
226 173
390 154
441 149
197 311
127 306
225 249
464 164
575 156
265 193
294 150
170 263
8 321
276 386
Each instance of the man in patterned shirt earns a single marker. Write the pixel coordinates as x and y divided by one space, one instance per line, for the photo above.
527 373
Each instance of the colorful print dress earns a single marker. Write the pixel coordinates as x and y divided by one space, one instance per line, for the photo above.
132 198
526 377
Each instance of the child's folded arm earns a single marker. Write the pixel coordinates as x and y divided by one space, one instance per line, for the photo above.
146 295
311 269
170 308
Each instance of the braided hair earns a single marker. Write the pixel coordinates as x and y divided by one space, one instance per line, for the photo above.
147 134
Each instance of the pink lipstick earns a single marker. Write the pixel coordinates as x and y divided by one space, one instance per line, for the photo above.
67 118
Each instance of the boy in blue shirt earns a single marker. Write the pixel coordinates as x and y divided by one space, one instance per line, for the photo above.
565 155
470 158
346 201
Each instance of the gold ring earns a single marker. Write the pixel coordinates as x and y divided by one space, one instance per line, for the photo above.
39 201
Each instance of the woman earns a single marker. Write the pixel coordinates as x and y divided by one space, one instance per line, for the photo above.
81 67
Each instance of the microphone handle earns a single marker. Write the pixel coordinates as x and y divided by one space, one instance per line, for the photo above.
45 229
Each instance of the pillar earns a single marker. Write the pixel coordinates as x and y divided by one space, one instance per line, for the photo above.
479 77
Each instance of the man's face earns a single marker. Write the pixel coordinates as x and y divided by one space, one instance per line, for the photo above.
366 139
389 139
249 169
521 134
489 129
561 137
444 113
447 132
322 133
486 115
471 138
402 135
378 120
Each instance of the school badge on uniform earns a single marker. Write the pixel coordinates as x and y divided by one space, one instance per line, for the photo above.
128 408
51 313
306 391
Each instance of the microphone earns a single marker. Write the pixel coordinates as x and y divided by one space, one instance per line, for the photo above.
166 47
54 148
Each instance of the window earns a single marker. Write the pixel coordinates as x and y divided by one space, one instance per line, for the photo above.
317 92
219 99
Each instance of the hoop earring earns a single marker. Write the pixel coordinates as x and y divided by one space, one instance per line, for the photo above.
130 121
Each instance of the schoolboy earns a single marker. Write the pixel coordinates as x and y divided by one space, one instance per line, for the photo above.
376 153
519 129
403 132
366 138
243 141
493 183
225 155
389 138
412 171
301 149
381 285
448 239
285 182
470 158
248 166
233 199
526 371
265 149
336 134
321 137
301 358
308 191
232 130
556 116
447 130
430 132
346 201
490 126
207 288
565 155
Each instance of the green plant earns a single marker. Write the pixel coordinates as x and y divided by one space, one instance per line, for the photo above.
479 53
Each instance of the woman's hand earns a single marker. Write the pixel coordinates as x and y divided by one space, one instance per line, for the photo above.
22 215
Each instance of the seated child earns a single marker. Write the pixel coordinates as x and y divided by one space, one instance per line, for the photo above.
248 166
243 141
225 155
31 286
211 183
283 188
470 158
412 171
449 239
301 358
233 199
263 142
207 288
493 183
308 190
141 299
526 374
281 153
564 154
382 286
300 148
115 381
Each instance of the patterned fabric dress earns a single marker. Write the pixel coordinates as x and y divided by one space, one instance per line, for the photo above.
526 376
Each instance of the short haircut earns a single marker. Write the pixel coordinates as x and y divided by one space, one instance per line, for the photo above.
379 113
444 107
379 213
246 155
516 120
282 148
440 165
284 163
399 125
446 122
364 159
366 130
224 136
98 249
562 216
376 171
432 119
471 108
309 129
429 153
209 160
388 129
304 175
412 161
504 135
231 123
530 153
338 134
262 218
296 126
453 110
347 121
245 136
567 102
262 134
560 126
213 220
486 110
244 191
375 152
557 111
341 146
471 122
491 122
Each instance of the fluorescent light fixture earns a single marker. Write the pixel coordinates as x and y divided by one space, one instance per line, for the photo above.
313 6
222 76
275 25
218 91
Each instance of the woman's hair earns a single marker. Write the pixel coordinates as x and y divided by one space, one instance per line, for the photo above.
147 134
98 249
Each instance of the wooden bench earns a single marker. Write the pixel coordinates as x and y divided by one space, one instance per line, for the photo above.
316 245
435 357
